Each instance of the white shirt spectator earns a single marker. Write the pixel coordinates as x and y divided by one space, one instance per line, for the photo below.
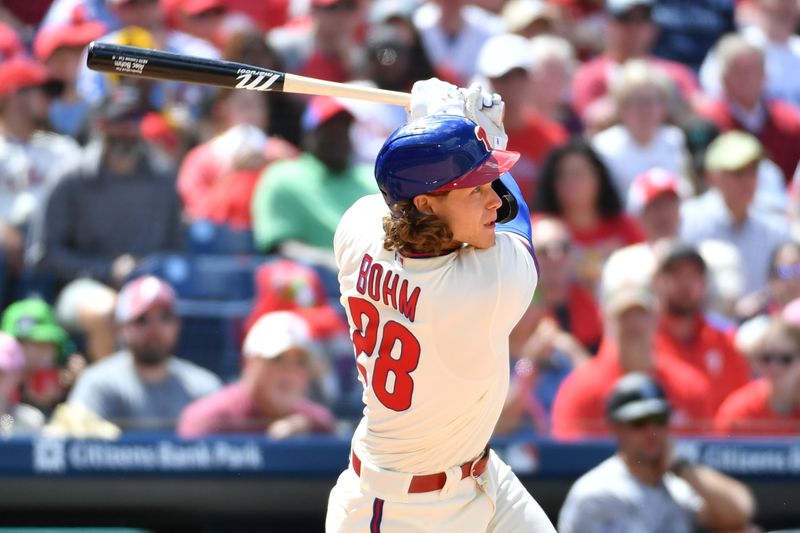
28 169
707 217
609 499
626 159
458 53
782 66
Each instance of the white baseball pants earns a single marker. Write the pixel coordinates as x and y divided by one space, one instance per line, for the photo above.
378 503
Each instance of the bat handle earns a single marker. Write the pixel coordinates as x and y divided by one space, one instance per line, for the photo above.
304 85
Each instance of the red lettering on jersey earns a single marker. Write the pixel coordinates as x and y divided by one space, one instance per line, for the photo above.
361 284
374 287
390 288
408 304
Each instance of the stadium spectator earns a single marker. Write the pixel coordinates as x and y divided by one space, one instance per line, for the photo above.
725 212
769 405
559 296
209 20
654 199
745 105
556 334
688 29
630 34
505 60
60 48
27 153
575 186
629 312
143 386
323 45
142 24
683 331
15 417
216 178
645 486
269 399
553 68
107 212
51 367
284 285
298 203
531 18
643 138
771 27
453 34
61 12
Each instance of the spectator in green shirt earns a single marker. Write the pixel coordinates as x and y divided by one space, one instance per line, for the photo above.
298 203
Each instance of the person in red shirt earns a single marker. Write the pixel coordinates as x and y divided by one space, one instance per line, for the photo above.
769 406
683 332
630 34
744 105
630 322
575 187
217 178
506 62
270 397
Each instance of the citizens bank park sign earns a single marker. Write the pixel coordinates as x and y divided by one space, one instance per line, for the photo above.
167 455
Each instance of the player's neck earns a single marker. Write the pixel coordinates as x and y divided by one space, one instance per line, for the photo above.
649 473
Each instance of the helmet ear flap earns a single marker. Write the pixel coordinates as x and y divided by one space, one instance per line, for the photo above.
509 209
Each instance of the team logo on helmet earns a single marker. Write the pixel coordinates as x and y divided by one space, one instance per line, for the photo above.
480 133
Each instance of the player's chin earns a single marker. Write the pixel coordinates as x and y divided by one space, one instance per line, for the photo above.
486 237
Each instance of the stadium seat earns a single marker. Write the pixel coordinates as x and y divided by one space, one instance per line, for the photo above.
205 277
206 237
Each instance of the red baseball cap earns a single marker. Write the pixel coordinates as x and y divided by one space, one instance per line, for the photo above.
72 35
142 294
10 43
191 7
649 185
21 72
320 109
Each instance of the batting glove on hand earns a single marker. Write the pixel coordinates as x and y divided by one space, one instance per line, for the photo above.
487 111
434 96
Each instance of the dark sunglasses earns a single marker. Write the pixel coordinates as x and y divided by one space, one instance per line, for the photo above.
783 359
634 15
556 249
343 5
164 317
660 419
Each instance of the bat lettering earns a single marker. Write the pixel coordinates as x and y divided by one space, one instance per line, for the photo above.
262 82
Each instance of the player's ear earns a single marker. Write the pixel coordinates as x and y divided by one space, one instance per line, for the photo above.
423 204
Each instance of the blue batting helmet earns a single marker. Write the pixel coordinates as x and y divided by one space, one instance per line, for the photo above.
438 153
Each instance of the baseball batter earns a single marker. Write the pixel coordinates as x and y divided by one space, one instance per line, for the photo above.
434 274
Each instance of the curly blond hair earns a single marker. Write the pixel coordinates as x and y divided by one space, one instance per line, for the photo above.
410 230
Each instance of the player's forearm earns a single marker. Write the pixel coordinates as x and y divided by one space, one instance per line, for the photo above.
728 503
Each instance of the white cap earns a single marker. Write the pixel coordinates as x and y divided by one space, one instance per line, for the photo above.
276 333
617 7
503 53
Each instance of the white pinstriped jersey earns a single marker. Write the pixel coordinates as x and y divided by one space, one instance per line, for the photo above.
431 337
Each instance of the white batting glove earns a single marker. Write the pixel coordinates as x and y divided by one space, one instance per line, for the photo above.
487 111
434 96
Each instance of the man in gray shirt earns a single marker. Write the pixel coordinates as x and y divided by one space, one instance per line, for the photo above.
644 488
144 387
726 211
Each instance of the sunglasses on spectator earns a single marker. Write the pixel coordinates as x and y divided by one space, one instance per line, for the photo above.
556 249
212 12
658 419
634 15
344 5
782 359
788 271
163 317
134 3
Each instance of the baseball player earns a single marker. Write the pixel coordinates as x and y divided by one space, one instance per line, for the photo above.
434 273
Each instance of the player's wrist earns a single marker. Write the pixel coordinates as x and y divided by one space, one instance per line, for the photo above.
680 465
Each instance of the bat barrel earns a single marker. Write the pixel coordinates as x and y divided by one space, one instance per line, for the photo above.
160 65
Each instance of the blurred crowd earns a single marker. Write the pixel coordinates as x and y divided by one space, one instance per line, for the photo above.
142 221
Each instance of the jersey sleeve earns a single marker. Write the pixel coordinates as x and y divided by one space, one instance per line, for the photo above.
360 225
